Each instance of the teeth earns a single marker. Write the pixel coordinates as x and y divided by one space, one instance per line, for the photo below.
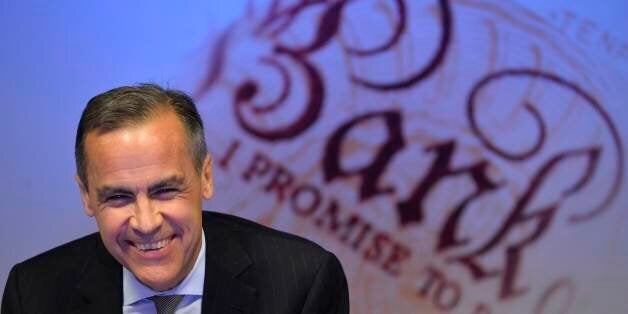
152 246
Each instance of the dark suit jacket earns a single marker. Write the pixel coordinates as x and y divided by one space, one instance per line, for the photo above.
249 269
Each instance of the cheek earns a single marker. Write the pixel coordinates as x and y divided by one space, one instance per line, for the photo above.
182 213
111 224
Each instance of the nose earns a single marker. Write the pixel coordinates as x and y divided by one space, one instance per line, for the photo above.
146 219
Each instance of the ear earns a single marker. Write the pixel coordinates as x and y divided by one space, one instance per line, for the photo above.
84 197
207 183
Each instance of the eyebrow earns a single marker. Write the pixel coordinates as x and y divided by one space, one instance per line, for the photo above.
172 181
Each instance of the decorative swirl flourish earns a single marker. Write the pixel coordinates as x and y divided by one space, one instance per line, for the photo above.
594 104
433 64
399 28
217 61
327 29
518 156
248 89
277 21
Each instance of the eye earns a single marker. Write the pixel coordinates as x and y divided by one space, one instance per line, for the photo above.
165 193
118 200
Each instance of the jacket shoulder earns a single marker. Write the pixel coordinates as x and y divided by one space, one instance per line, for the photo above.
45 280
291 274
67 255
273 252
250 232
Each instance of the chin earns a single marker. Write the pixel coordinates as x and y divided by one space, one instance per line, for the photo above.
157 279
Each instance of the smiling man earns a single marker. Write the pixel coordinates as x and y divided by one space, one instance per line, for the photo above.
143 171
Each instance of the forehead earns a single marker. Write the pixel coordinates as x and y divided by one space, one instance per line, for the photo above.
157 142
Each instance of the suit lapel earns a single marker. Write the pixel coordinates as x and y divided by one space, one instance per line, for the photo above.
100 284
225 260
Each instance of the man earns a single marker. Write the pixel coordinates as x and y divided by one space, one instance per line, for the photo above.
143 171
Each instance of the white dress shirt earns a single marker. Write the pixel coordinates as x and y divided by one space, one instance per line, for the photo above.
135 293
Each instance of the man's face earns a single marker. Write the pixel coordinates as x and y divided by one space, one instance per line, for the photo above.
146 196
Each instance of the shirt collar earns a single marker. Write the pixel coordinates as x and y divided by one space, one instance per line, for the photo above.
134 290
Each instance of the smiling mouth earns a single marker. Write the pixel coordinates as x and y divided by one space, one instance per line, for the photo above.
152 246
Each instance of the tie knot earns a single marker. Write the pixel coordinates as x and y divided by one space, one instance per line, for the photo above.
166 304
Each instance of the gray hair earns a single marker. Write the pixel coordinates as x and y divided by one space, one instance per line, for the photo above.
131 105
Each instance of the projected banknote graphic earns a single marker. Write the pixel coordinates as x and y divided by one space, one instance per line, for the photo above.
448 151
